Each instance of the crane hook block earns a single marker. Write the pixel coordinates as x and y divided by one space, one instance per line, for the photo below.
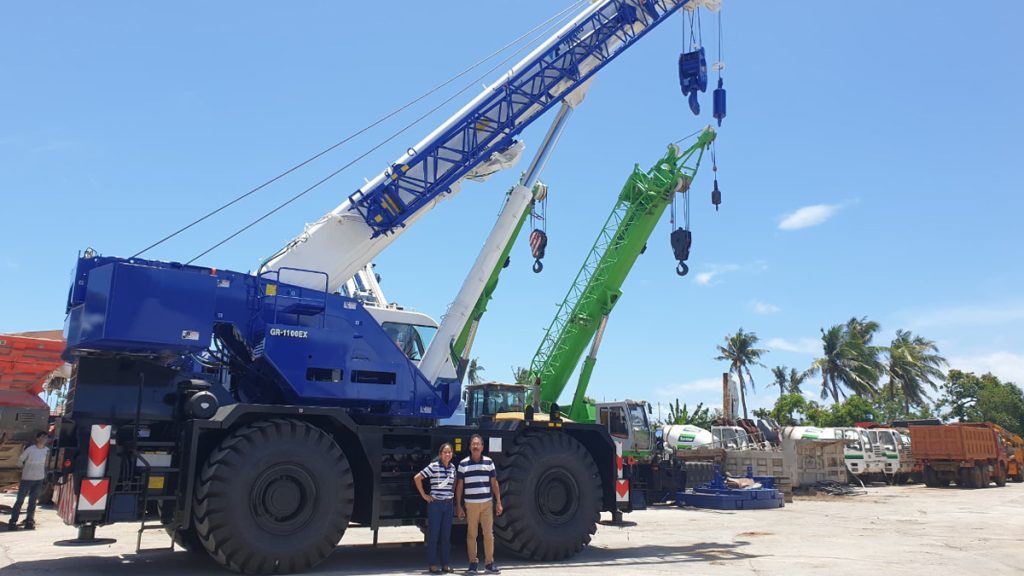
718 100
681 241
538 243
693 76
716 196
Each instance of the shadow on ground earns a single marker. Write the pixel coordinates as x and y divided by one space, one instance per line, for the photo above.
383 559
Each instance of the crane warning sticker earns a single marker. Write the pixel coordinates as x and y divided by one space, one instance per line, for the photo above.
190 335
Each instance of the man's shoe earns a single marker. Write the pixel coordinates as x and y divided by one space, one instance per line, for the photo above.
11 526
491 569
472 569
29 525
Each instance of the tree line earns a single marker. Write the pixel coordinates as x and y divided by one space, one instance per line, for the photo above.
908 379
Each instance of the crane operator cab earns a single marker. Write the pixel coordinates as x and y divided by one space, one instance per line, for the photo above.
410 331
488 401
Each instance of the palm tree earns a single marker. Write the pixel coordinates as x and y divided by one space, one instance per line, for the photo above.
795 380
521 375
473 372
848 359
914 363
788 382
740 352
779 372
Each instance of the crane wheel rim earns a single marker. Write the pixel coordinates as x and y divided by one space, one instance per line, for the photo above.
557 496
283 498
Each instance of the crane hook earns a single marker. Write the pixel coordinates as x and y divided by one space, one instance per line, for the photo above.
682 269
538 244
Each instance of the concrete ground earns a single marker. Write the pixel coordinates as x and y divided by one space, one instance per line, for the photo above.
896 530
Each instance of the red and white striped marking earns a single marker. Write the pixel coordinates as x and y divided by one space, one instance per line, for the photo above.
99 449
93 495
621 485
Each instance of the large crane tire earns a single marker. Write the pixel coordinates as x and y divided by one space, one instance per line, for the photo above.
274 497
551 492
187 539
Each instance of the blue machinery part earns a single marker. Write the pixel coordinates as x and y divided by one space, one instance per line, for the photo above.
718 99
693 76
492 121
718 496
283 343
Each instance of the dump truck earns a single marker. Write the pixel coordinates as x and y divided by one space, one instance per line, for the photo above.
27 362
1014 446
971 455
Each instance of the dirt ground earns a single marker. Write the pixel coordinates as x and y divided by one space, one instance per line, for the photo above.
896 530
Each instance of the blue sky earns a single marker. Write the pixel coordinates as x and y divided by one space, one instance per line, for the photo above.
869 165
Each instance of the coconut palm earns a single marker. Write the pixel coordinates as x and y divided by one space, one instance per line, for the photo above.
788 379
914 364
779 373
473 372
521 375
848 360
741 352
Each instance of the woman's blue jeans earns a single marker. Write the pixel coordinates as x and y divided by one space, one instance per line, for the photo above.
439 531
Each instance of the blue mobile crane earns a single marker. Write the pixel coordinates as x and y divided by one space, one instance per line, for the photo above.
257 416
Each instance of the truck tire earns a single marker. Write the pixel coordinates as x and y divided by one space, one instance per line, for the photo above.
551 490
979 478
930 479
963 478
1000 477
1020 474
274 496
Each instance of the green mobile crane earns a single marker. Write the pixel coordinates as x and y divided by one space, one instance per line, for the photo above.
583 314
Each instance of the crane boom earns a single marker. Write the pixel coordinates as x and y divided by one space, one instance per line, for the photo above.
583 314
476 141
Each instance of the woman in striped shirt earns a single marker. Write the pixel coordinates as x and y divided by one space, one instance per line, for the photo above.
440 507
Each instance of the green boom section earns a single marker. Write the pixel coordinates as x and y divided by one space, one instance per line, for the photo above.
598 284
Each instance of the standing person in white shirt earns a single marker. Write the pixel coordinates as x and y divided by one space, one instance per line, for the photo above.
478 483
33 472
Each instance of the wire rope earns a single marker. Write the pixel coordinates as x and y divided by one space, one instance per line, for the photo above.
377 146
357 133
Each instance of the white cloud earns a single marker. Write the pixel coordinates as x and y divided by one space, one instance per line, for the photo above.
11 263
699 385
972 315
1004 365
801 346
707 278
764 307
808 216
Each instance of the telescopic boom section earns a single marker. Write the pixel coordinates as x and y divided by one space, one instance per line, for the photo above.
473 143
598 284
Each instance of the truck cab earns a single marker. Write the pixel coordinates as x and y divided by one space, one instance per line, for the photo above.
732 438
628 423
891 450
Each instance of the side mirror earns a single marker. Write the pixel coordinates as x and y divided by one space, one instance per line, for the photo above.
649 409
